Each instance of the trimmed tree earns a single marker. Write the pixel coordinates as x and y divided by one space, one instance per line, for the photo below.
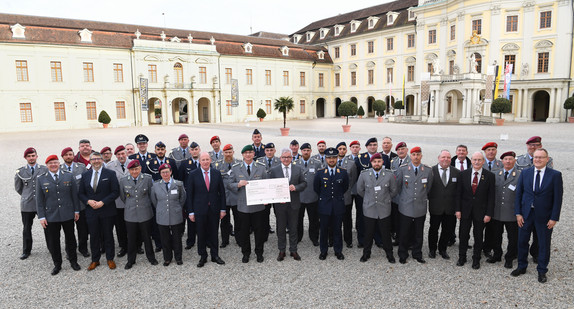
379 106
569 105
361 111
347 109
261 113
284 105
398 105
501 106
104 117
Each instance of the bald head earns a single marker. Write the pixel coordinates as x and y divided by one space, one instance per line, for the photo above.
204 160
477 160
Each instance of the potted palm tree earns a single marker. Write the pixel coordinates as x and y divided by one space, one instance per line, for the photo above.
104 118
261 114
379 106
361 112
500 106
569 105
284 105
347 109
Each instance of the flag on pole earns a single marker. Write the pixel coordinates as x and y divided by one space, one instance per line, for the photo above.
497 81
507 79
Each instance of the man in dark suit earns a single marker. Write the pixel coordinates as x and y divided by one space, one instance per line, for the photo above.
205 204
99 189
538 203
288 213
442 200
474 207
185 168
331 183
461 162
387 153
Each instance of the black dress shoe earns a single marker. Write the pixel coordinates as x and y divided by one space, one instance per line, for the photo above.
202 262
57 269
517 272
128 266
187 247
360 246
535 259
224 244
245 259
281 256
432 254
349 245
180 262
340 256
157 250
122 252
75 266
379 245
402 261
217 260
444 255
487 254
542 278
461 262
153 262
395 243
166 263
475 264
493 260
295 256
391 259
85 253
450 243
140 251
322 256
508 264
271 231
420 260
364 258
260 259
24 256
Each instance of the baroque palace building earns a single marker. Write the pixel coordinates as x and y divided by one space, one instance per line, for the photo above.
60 73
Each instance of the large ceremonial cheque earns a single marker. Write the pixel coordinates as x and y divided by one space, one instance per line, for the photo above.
268 191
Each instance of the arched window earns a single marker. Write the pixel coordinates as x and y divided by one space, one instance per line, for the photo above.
178 70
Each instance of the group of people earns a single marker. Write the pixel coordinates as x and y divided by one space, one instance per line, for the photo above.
149 198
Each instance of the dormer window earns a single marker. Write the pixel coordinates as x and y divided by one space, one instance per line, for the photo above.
18 31
355 25
248 48
296 38
285 51
309 35
321 55
85 36
372 22
391 17
323 33
338 29
412 15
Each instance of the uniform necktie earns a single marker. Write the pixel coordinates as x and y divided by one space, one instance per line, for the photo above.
474 182
95 183
443 177
216 156
206 180
505 175
461 165
322 160
167 186
135 181
305 163
32 169
69 168
286 172
332 173
416 171
269 162
56 177
123 168
248 170
490 166
531 160
340 162
183 153
229 165
376 176
537 184
400 162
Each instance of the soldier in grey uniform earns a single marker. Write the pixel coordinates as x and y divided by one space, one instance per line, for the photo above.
414 182
77 169
252 216
120 166
377 187
58 206
348 163
504 213
270 161
138 214
224 166
402 158
168 197
308 196
182 152
25 186
216 153
321 146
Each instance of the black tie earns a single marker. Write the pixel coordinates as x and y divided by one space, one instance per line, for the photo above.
248 170
305 163
135 181
56 177
32 169
376 176
229 165
490 166
340 161
416 170
216 155
183 153
505 175
167 186
531 161
537 184
400 162
322 160
69 168
269 160
332 173
123 168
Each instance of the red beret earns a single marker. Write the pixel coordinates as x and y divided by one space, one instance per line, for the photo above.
214 138
182 136
106 149
488 145
51 157
29 150
133 163
400 145
321 142
416 149
228 147
534 139
376 156
163 167
66 150
354 143
508 153
119 148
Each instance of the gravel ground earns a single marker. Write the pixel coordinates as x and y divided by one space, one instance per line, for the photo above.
308 283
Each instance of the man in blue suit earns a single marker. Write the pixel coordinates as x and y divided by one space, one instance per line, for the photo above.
205 204
538 202
99 189
331 183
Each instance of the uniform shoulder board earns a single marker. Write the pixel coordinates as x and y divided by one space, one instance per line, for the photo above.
500 173
178 182
426 166
260 163
146 175
366 155
217 164
21 168
366 170
338 170
236 164
43 174
66 171
326 170
158 181
404 164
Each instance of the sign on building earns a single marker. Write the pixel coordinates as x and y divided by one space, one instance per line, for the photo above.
143 94
234 92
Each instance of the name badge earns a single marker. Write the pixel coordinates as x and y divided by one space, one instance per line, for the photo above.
174 191
512 187
79 176
453 179
311 170
424 180
377 188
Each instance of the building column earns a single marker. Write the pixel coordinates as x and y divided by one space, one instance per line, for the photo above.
552 106
518 105
559 104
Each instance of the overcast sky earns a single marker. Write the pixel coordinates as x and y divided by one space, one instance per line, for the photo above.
225 16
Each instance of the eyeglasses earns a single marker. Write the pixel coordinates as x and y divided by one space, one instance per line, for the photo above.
286 157
95 159
538 158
